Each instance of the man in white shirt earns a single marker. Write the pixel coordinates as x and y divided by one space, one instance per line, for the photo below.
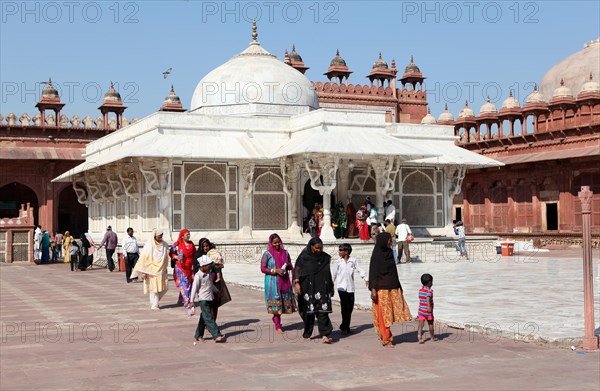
390 212
342 273
131 252
402 231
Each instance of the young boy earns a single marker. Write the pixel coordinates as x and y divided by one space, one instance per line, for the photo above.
342 273
74 251
426 307
205 289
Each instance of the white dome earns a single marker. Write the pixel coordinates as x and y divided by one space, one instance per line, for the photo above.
466 111
255 81
562 92
535 96
428 119
573 70
590 86
488 108
511 102
446 116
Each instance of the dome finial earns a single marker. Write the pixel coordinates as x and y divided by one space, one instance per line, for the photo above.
446 107
591 76
254 34
509 93
535 87
293 47
562 82
428 110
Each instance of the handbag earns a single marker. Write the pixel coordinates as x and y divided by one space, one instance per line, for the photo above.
409 238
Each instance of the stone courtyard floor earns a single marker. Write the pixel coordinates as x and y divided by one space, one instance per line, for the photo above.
91 330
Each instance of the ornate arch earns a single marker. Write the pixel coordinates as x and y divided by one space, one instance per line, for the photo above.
269 201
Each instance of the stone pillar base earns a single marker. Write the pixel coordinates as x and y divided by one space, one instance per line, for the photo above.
590 343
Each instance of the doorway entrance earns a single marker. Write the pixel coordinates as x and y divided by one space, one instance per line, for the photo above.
552 216
458 213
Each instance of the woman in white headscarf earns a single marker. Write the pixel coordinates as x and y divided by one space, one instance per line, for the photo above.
151 267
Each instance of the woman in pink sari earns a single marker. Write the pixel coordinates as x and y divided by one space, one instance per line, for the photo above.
279 296
182 255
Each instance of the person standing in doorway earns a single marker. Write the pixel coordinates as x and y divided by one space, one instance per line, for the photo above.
462 239
110 241
402 232
131 252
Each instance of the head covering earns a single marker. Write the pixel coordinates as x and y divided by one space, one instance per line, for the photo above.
382 269
109 228
154 258
204 260
46 239
158 232
281 258
309 263
200 243
180 243
84 241
67 233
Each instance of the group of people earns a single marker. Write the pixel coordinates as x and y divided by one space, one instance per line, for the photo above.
314 277
348 222
76 251
196 271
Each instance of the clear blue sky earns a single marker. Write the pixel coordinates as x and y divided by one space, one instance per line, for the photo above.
466 49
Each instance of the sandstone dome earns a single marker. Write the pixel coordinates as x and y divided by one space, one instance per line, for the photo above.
574 70
255 82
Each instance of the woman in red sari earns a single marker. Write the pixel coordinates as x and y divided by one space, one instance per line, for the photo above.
182 255
361 224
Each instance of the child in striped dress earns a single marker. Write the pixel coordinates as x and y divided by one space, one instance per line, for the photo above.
426 307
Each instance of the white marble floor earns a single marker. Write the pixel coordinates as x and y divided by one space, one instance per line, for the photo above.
534 295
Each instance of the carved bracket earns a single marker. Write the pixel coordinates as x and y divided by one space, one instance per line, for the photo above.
81 193
129 180
116 187
327 168
456 178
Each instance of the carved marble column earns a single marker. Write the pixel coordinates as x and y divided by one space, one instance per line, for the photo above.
327 167
247 189
454 178
344 179
290 172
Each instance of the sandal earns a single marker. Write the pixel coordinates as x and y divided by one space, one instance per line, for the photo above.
327 340
220 338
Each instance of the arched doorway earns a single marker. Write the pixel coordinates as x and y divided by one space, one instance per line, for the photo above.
72 216
13 195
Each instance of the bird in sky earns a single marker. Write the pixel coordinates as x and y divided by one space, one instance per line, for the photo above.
167 73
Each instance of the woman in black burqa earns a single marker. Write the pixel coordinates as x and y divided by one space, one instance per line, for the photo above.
314 287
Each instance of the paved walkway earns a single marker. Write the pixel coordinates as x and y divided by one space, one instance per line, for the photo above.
531 295
90 330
